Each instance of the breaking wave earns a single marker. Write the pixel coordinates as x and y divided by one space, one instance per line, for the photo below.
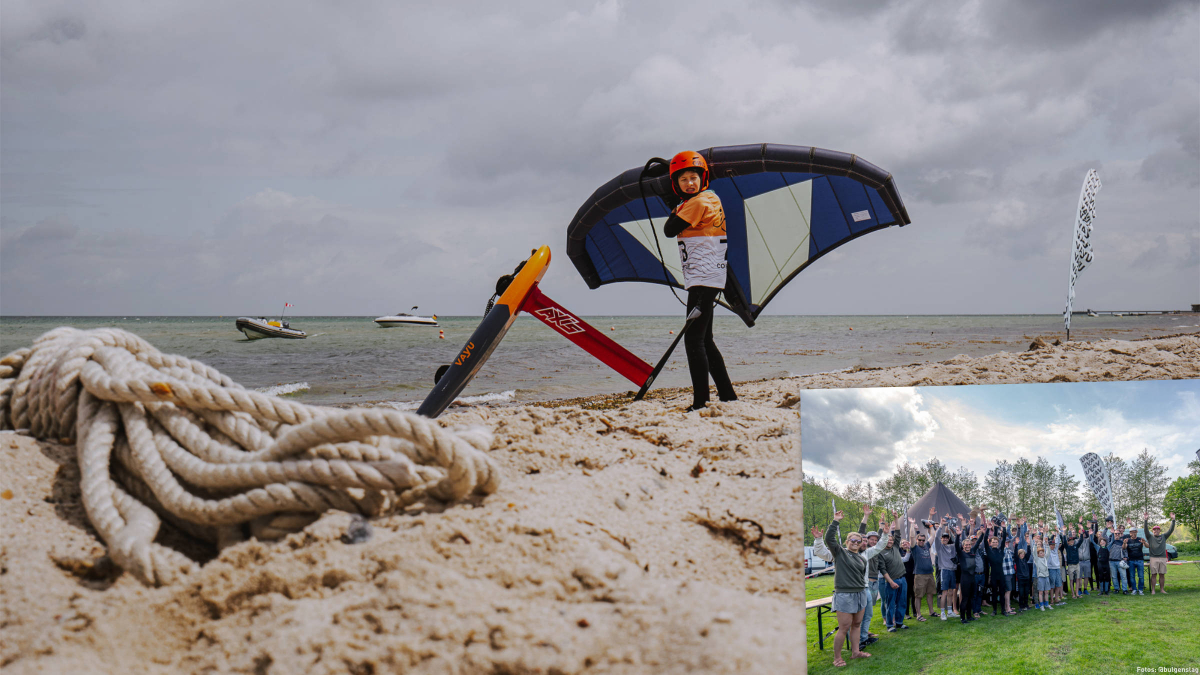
281 389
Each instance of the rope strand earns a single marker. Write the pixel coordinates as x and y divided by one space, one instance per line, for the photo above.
204 451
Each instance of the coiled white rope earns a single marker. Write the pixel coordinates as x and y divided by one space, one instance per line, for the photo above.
162 434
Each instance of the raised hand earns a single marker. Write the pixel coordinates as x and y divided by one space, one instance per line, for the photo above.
866 510
932 510
838 515
816 532
1172 515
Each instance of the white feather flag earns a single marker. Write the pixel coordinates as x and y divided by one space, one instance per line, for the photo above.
1097 478
1081 248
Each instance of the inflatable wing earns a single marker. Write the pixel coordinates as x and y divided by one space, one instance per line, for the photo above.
785 206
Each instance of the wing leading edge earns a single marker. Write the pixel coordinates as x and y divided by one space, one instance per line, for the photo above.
785 207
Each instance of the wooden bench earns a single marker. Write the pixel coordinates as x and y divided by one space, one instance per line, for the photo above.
823 606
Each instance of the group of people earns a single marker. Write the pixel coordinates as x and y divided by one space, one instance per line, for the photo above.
959 566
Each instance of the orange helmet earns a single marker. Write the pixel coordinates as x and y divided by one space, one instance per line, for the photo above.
684 161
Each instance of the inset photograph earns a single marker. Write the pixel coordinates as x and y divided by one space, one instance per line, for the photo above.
977 528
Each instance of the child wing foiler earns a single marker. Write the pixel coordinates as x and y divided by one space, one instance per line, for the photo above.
523 295
785 207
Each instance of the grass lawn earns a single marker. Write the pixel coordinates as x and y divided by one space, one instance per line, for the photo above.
1111 634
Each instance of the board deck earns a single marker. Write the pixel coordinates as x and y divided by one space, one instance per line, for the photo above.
487 336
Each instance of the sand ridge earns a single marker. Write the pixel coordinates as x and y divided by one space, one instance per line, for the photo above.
632 539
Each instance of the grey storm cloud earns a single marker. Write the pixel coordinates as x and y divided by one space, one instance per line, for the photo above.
855 433
321 137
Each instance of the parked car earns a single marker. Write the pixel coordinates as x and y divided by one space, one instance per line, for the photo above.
811 562
1172 553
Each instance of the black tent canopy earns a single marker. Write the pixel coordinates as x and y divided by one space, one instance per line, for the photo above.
940 498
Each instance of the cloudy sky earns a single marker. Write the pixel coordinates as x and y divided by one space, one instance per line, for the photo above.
865 433
353 158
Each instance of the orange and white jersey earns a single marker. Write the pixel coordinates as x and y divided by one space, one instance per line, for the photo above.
702 246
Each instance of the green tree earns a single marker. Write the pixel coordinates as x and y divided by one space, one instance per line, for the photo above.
936 472
1183 498
1044 481
1066 493
965 484
1022 472
905 486
999 488
1146 484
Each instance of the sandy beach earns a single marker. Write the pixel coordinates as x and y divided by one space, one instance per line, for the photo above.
624 538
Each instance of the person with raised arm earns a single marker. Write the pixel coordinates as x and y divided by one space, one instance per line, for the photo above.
866 637
850 594
1009 565
996 554
1054 563
1069 545
970 578
911 602
1116 554
1135 550
1100 551
1110 529
890 563
1043 577
975 560
1156 546
945 547
1025 576
1084 552
924 584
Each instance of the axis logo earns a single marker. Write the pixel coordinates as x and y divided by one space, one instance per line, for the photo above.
560 320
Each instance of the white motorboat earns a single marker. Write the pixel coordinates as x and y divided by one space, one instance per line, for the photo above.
261 327
405 319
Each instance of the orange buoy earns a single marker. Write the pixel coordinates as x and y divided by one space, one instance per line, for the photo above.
670 332
441 335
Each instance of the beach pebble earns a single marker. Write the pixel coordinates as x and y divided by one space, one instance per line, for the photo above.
723 617
358 531
620 503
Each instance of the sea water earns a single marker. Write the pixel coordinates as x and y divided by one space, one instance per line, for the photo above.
351 360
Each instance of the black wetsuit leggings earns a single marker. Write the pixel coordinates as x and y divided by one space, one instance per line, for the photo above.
702 353
995 588
966 605
911 602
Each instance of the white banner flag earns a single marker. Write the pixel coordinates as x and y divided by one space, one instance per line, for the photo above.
1081 248
1097 478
